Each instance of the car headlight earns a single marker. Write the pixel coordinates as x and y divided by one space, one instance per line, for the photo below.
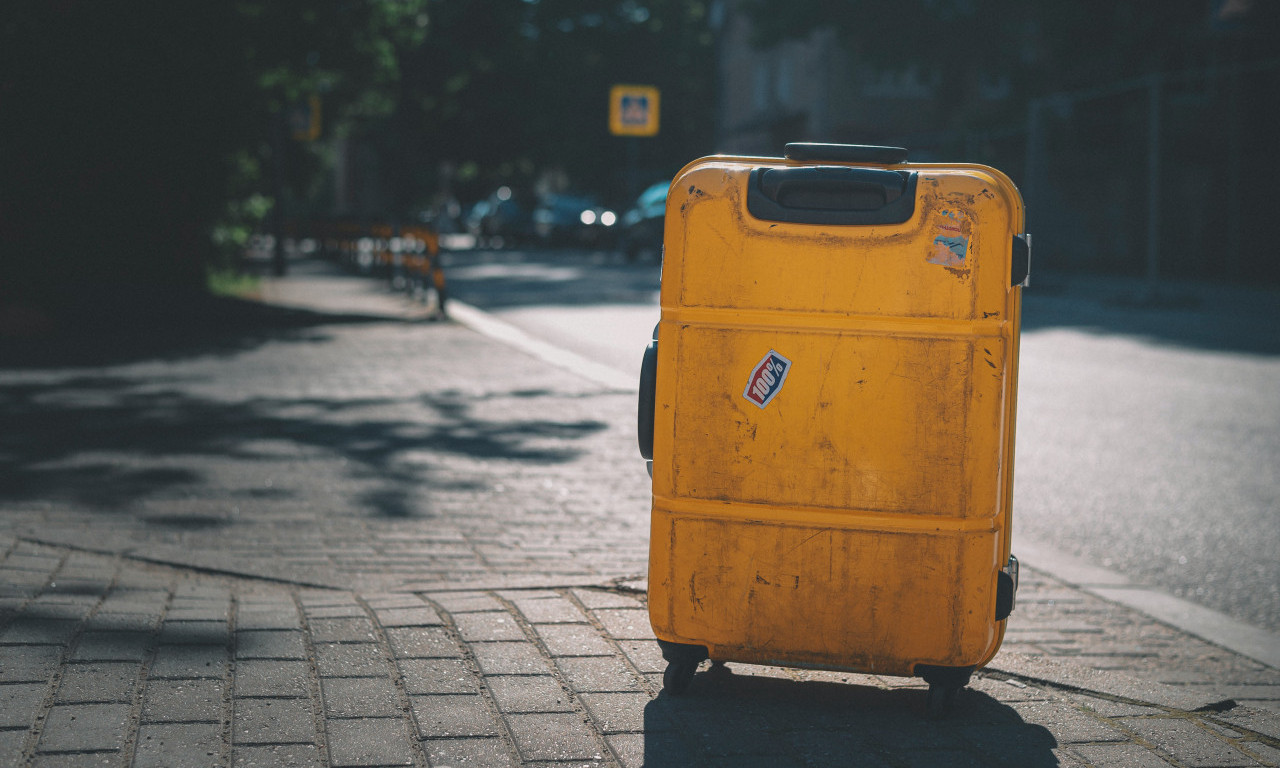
608 218
588 217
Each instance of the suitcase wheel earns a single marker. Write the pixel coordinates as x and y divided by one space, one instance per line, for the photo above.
944 684
682 664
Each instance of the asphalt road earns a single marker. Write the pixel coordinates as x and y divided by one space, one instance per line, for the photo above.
1149 427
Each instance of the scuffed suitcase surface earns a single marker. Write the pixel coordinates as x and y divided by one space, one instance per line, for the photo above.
851 511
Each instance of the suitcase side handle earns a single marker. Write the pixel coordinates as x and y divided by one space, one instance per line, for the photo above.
808 152
648 399
831 195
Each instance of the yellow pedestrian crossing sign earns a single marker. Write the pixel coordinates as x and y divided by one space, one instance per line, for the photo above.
633 110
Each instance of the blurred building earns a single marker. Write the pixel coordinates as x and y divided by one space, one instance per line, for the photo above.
1149 156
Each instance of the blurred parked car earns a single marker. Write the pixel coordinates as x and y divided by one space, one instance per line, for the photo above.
500 220
574 220
640 232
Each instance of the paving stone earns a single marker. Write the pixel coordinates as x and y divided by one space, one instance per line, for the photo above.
632 749
573 640
98 683
216 611
112 646
646 655
80 760
1194 747
467 602
39 630
1265 753
953 759
1109 708
427 676
597 674
556 737
190 661
284 617
84 728
622 713
636 750
179 745
273 721
195 632
1255 720
599 598
170 701
276 756
829 747
359 697
350 660
262 678
122 622
1118 756
477 753
20 703
266 644
409 617
626 624
482 627
345 630
368 742
522 658
453 716
1068 725
423 643
523 693
42 564
553 610
343 611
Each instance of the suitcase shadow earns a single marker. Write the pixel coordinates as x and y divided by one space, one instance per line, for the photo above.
746 720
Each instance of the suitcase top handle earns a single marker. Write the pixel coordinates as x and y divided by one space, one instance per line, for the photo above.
844 153
831 194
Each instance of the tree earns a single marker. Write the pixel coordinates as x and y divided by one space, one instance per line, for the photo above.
130 129
505 89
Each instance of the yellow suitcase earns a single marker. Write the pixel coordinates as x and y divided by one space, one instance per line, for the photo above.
828 405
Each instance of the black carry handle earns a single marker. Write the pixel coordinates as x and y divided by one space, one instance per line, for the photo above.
831 195
811 152
834 194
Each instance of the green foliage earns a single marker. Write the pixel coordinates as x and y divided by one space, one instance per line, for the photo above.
507 88
143 138
132 129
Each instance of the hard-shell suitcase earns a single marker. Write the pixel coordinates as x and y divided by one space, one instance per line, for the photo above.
828 404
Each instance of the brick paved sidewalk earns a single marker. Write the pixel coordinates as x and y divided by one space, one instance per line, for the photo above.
369 540
111 662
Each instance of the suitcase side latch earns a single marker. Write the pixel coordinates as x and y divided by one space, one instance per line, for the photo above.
1006 589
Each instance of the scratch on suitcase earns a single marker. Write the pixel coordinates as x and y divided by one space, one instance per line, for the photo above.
806 541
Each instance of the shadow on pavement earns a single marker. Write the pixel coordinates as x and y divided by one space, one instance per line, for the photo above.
728 719
1211 317
204 326
109 442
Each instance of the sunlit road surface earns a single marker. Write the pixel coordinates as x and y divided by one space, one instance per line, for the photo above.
1148 435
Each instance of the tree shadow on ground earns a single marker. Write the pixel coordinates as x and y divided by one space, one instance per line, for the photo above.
728 719
1207 316
207 325
109 442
